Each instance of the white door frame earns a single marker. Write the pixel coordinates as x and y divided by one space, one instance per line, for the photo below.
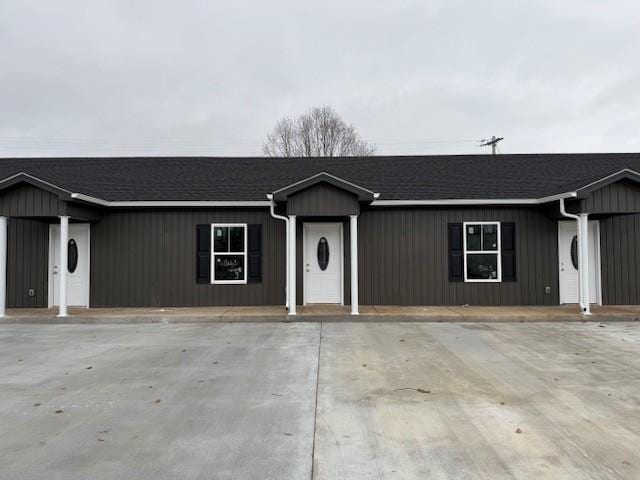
597 259
51 301
304 262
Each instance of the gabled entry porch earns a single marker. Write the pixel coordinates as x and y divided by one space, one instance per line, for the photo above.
322 240
44 246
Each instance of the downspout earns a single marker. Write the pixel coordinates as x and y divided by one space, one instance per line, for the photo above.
584 299
272 209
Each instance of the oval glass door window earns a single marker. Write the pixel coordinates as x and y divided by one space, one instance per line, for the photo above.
72 256
574 251
323 253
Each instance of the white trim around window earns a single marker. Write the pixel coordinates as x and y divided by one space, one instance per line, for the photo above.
482 251
228 252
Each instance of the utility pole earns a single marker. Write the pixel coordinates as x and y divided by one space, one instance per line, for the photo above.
493 142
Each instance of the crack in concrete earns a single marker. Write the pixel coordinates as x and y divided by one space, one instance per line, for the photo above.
315 407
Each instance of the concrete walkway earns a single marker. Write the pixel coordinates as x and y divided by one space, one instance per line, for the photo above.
368 313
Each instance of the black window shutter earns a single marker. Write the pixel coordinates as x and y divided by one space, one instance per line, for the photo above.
456 263
254 254
203 254
508 247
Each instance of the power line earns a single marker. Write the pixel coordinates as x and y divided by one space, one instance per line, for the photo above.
182 146
493 142
108 141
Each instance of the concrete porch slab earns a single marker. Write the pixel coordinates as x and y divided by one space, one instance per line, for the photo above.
315 313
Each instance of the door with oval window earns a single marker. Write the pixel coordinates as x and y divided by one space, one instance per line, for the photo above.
568 257
322 261
77 265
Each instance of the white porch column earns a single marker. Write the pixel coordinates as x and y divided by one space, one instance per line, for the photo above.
584 263
62 267
292 264
353 231
3 265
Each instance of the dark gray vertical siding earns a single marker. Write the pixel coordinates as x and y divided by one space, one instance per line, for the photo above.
26 200
619 197
404 257
620 259
27 263
323 200
147 258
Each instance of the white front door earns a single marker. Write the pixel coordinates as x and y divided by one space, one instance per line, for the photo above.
77 265
322 262
568 253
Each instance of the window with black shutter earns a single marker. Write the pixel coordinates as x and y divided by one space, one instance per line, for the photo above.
482 252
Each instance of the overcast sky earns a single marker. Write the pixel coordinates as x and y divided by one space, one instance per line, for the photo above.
212 77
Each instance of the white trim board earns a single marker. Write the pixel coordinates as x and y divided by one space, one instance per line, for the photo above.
267 203
169 203
319 174
24 174
474 201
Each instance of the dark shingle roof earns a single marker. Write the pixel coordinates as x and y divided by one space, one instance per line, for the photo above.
395 178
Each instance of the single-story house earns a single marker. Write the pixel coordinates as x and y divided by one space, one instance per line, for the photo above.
406 230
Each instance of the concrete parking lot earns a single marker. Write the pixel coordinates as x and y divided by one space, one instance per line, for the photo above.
325 401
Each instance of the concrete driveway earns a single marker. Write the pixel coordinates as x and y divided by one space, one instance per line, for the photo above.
324 401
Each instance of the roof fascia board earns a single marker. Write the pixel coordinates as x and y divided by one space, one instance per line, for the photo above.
473 201
36 182
89 199
624 174
169 203
189 203
361 192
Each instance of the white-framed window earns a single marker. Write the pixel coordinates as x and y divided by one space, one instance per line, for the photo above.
482 252
229 253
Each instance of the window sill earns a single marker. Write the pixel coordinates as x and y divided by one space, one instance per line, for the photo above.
483 281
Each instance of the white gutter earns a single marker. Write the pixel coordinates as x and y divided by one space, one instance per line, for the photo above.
170 203
473 201
583 295
375 203
87 198
272 210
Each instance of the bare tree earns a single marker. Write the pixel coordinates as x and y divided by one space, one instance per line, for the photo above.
318 133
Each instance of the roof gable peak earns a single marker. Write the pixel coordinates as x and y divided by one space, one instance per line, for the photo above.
363 194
